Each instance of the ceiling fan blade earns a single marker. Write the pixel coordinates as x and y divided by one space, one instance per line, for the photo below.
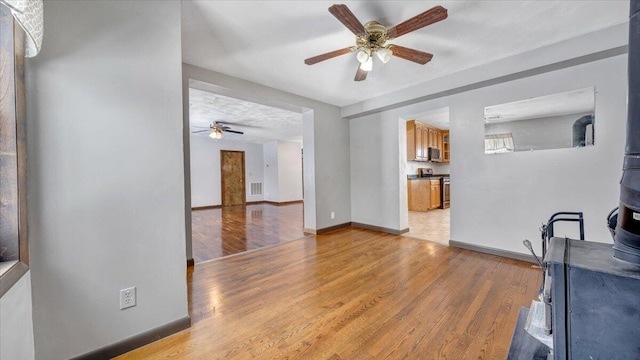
419 21
346 17
199 131
416 56
329 55
232 131
360 74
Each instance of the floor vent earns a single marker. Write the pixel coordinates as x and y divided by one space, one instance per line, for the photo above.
256 189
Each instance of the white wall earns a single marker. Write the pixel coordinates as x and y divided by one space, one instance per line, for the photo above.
498 200
289 171
438 168
325 135
270 165
282 171
205 169
16 324
378 172
106 199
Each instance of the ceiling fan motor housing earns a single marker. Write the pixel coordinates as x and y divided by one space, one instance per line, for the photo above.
375 37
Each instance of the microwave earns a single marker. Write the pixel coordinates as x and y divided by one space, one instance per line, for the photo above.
434 154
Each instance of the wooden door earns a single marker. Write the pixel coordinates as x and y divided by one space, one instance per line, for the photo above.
232 174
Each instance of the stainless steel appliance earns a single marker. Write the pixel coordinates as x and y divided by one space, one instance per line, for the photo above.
434 154
444 192
425 172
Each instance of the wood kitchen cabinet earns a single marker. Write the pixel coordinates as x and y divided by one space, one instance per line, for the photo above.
416 141
423 195
419 195
446 152
420 137
434 194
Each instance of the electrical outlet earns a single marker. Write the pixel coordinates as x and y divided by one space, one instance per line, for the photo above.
127 298
333 214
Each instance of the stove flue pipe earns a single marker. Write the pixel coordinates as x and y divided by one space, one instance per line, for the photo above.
627 234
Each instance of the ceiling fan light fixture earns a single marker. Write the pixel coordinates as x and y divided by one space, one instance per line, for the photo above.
367 65
384 55
216 134
363 55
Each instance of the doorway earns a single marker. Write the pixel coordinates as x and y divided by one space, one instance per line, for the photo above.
428 176
232 177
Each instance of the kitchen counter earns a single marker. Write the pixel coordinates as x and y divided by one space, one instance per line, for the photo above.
434 176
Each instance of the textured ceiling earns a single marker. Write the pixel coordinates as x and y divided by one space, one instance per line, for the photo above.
267 41
260 123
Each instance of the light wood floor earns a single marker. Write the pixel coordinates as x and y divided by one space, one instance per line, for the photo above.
351 294
235 229
432 225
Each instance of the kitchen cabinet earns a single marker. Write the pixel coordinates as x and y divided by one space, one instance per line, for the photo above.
434 193
419 195
446 155
416 141
420 137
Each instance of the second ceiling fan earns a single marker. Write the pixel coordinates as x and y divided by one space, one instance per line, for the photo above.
371 39
217 128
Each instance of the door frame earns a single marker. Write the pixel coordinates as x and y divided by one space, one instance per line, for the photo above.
244 180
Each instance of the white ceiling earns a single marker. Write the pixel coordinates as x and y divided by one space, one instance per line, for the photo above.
571 102
438 118
260 123
267 41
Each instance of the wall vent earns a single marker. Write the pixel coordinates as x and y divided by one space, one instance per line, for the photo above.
256 189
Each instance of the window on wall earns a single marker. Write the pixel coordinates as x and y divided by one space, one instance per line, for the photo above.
498 143
14 254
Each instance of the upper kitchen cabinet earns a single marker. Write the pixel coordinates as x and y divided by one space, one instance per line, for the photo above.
420 137
446 152
416 147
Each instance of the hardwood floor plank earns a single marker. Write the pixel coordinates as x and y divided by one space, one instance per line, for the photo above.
234 229
351 294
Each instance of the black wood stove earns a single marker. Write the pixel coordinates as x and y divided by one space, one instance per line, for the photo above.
589 304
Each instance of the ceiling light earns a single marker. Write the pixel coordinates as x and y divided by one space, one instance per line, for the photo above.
216 134
363 55
367 65
384 54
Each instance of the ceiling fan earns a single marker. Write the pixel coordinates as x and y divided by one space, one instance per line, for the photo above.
372 37
217 128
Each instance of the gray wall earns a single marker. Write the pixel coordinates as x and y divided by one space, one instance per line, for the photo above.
497 201
16 325
106 201
554 132
325 138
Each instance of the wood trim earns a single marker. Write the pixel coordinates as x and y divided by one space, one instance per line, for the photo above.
206 207
13 111
11 276
190 262
21 144
493 251
138 340
380 228
332 228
